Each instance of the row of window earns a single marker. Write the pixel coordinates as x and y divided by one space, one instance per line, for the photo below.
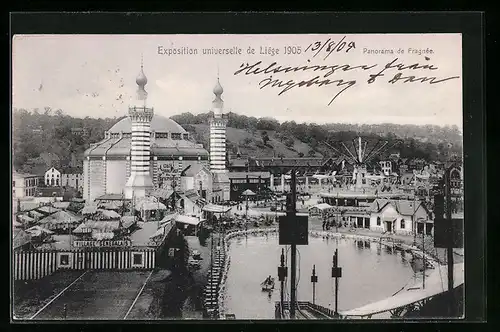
29 192
174 136
402 223
27 183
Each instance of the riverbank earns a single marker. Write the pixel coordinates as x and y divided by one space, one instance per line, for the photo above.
403 244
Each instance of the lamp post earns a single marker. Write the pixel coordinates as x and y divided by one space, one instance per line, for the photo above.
423 257
449 250
336 273
314 280
282 274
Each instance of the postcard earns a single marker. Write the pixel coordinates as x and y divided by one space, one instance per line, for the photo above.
237 176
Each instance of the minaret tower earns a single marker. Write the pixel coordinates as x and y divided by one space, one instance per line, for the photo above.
140 183
218 133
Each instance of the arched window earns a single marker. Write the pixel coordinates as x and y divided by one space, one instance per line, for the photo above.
378 221
57 182
52 181
402 224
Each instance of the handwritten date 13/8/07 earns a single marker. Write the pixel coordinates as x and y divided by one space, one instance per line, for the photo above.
329 46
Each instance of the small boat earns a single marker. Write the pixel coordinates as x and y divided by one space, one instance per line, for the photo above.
194 263
268 285
196 255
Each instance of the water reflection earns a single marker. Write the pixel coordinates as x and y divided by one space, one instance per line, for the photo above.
369 274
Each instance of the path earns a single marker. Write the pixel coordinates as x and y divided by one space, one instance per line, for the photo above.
97 295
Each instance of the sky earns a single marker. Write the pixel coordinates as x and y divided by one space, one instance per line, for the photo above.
94 75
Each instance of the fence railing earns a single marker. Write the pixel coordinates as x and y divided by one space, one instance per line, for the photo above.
36 264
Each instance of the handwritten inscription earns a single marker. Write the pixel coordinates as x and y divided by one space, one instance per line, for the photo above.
321 75
329 46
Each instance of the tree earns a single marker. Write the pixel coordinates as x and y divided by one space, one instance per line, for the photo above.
311 153
301 154
265 137
246 141
289 142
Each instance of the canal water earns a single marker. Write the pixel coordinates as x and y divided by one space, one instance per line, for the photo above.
370 272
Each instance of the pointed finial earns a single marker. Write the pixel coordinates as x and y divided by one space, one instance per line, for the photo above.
141 81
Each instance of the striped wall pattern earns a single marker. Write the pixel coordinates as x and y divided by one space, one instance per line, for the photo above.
30 265
104 176
141 141
156 171
128 167
218 145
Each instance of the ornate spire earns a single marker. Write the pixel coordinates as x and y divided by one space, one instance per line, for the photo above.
141 81
218 90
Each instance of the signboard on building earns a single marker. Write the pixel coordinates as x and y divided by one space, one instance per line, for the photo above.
95 244
448 234
293 230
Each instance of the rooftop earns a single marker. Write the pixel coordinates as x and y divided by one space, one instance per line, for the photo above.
158 123
253 175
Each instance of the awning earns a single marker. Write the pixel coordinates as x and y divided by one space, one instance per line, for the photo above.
48 209
322 206
38 231
61 205
25 218
149 206
20 238
128 221
103 236
216 208
103 226
111 205
108 214
248 192
89 209
168 218
36 214
159 233
187 220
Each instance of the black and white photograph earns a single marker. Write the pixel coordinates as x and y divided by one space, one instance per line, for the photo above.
237 177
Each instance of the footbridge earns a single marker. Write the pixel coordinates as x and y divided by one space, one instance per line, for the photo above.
406 300
411 298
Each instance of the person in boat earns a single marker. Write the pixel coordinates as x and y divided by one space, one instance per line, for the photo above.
268 280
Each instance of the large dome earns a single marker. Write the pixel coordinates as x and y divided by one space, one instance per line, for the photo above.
158 124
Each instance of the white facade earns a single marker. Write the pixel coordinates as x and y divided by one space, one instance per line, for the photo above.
218 133
53 178
140 182
388 219
24 185
386 166
73 180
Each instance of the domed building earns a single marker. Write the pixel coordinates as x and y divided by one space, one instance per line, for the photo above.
138 152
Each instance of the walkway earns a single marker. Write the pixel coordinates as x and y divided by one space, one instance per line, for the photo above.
435 284
96 295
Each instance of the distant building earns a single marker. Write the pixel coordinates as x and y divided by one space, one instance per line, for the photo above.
218 145
52 177
255 181
24 185
80 131
400 217
50 194
394 156
134 155
280 166
72 177
386 166
197 177
37 130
